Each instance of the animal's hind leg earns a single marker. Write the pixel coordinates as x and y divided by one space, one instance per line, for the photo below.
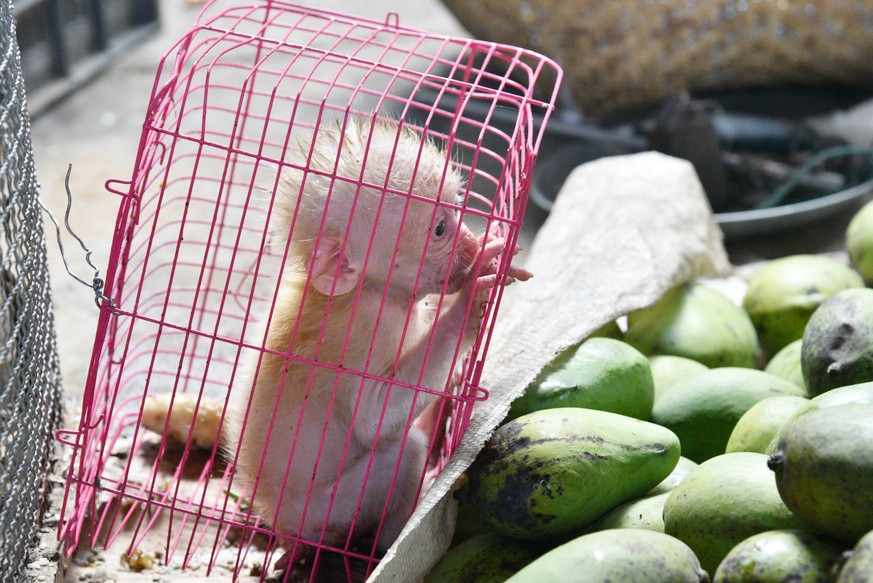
404 488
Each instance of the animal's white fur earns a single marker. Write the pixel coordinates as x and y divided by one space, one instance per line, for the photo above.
346 306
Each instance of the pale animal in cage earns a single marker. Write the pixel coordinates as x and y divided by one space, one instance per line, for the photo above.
383 294
309 259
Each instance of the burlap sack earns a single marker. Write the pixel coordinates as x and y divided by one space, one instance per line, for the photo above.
624 53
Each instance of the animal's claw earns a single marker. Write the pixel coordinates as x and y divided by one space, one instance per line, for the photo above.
490 251
492 244
519 273
485 282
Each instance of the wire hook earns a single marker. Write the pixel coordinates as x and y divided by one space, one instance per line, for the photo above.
97 282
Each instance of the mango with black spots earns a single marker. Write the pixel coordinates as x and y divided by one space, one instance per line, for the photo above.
551 473
837 345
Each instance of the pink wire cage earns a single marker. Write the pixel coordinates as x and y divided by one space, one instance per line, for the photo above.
193 280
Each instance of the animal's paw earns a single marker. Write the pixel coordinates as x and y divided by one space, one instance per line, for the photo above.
490 273
492 246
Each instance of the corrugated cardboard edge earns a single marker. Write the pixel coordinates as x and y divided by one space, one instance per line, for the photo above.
623 230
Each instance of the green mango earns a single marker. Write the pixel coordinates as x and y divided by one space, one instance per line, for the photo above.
784 292
484 558
724 501
838 342
757 427
704 409
468 523
599 373
609 330
553 472
859 393
684 467
785 364
698 322
668 370
776 556
858 564
646 512
824 469
616 555
859 242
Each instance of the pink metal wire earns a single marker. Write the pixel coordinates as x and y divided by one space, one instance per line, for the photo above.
191 273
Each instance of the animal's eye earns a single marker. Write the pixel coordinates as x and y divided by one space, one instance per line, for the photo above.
440 229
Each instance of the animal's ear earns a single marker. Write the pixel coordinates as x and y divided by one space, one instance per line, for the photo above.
332 273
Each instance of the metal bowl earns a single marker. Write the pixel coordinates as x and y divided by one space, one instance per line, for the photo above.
552 170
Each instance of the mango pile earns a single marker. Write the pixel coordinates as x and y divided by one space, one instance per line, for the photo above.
702 439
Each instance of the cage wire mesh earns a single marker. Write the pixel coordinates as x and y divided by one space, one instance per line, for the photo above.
193 278
30 387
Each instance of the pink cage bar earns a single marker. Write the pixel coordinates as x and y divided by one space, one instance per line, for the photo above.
192 277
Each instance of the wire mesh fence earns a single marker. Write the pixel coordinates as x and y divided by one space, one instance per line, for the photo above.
30 387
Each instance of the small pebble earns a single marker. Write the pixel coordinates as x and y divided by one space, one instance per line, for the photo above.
40 562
